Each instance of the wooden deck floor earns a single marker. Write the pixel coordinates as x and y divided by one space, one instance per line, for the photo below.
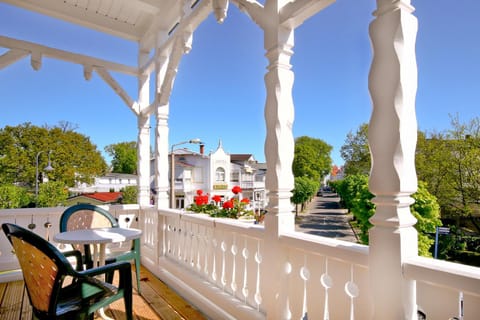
157 301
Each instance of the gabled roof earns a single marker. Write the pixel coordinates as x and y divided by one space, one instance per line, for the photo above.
242 157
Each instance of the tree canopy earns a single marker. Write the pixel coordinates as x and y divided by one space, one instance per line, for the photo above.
305 189
450 163
355 196
124 157
73 156
355 152
312 158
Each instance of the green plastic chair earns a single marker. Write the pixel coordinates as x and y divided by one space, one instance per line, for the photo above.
88 216
45 270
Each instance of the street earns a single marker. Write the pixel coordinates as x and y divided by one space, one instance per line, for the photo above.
324 217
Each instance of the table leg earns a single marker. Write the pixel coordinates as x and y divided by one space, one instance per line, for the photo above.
99 254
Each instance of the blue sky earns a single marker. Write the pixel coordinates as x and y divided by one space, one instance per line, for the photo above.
219 92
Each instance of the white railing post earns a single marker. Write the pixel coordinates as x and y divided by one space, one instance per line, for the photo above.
279 151
143 148
392 138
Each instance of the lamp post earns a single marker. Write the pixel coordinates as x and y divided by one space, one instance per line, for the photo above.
172 169
47 168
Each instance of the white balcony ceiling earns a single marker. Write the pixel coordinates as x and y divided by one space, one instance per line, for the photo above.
135 20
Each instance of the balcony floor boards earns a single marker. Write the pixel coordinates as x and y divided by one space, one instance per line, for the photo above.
157 301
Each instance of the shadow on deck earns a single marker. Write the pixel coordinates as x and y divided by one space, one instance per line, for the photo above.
157 301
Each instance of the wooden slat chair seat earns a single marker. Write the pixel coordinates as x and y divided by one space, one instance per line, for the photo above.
55 289
88 216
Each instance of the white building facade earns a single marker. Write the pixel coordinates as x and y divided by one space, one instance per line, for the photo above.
216 174
107 183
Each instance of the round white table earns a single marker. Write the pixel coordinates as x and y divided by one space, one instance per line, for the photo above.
99 238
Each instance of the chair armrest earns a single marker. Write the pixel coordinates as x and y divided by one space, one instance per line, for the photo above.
78 258
123 267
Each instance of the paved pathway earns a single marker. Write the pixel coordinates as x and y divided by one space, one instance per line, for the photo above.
324 217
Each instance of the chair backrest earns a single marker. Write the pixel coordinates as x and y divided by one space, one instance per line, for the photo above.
86 216
43 267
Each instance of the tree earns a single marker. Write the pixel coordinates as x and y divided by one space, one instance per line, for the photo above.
52 194
356 153
305 189
427 212
450 164
13 197
124 157
355 196
312 158
129 195
73 157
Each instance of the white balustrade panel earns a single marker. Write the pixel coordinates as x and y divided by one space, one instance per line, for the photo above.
445 290
323 274
323 278
224 252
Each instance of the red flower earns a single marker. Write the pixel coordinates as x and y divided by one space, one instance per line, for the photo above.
236 190
217 198
201 200
199 192
245 200
228 204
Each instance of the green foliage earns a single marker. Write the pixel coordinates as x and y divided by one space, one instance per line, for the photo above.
355 196
124 157
312 158
356 153
13 197
130 195
427 212
209 208
450 163
52 194
305 189
73 157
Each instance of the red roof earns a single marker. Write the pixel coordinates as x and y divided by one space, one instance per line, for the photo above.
104 196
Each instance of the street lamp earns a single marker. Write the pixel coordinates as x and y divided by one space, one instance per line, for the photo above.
172 169
47 168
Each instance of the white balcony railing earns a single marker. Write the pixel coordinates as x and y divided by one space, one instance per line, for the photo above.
220 266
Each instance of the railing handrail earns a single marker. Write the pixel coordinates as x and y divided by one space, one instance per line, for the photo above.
332 248
444 274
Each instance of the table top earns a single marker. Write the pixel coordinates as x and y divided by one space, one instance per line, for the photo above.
98 235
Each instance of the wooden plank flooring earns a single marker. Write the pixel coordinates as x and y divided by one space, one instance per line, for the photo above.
157 302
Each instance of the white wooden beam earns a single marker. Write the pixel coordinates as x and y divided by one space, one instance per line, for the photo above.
81 59
296 12
12 56
188 23
105 75
252 9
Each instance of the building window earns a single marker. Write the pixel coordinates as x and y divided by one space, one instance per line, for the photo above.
235 176
220 174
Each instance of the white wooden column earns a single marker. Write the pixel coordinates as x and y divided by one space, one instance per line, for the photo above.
279 115
161 157
279 151
143 140
392 138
